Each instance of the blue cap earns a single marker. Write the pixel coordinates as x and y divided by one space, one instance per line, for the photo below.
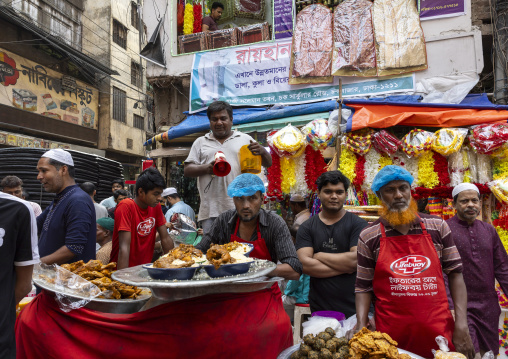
388 174
245 185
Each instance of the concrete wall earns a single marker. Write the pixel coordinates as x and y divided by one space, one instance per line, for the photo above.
114 135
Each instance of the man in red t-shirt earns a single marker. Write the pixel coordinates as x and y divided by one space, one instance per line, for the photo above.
137 221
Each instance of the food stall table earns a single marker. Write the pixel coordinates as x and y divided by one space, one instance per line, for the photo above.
226 325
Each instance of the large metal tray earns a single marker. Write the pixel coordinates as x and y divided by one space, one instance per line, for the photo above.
117 306
286 354
255 279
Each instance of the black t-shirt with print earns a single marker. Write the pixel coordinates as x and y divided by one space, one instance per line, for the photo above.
15 249
335 293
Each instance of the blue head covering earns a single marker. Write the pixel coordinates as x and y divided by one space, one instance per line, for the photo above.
390 173
245 185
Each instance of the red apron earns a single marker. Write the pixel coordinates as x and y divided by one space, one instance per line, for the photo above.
260 250
411 303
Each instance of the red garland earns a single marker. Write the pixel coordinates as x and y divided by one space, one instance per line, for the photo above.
273 177
360 173
441 168
198 17
442 191
315 166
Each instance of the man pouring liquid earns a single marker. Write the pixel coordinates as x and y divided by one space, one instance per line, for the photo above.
401 260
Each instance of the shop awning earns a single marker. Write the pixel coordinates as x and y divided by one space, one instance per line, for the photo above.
263 126
377 113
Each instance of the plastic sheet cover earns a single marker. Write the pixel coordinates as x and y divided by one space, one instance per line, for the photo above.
250 9
311 57
253 33
184 229
354 52
400 44
66 282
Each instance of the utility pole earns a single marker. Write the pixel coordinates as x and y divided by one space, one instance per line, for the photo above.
500 36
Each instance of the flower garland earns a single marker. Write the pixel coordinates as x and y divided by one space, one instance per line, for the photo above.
359 174
503 235
300 186
441 168
442 191
484 168
456 165
371 169
384 160
273 177
188 20
427 176
467 167
500 169
198 17
287 167
315 167
348 163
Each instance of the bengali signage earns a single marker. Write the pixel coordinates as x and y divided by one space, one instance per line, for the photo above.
258 76
283 19
38 89
435 9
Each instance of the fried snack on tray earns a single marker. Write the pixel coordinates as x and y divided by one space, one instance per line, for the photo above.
325 345
100 275
374 345
180 257
448 355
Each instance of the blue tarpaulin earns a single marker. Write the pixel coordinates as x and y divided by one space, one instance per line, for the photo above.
198 122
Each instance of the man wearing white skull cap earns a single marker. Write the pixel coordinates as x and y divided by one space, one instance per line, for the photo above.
67 227
484 260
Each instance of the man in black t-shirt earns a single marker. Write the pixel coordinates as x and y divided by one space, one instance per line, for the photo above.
326 246
18 254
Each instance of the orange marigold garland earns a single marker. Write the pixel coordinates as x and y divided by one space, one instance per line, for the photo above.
316 166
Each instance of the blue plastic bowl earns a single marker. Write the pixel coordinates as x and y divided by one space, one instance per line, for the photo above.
227 270
170 273
251 248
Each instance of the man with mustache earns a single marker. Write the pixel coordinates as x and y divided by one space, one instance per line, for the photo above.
199 163
249 223
486 261
401 260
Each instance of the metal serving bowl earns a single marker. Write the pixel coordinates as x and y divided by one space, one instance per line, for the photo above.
170 273
226 270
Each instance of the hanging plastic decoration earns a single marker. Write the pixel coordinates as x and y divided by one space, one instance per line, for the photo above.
198 17
317 134
188 19
417 142
359 141
448 140
489 137
288 141
385 142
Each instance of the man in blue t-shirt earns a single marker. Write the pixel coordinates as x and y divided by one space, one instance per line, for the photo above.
177 205
67 227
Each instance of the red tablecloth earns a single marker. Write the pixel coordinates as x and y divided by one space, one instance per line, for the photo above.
239 325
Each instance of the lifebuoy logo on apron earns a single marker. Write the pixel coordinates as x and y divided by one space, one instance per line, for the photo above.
410 265
145 227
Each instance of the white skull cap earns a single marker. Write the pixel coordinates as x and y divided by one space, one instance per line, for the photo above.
464 187
168 191
60 156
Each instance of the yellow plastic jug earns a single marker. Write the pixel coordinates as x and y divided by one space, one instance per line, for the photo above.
249 163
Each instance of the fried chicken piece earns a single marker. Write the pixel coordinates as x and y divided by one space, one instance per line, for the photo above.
104 281
108 266
90 275
217 256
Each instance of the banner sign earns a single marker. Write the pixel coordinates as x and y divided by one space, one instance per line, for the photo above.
35 88
283 19
435 9
258 76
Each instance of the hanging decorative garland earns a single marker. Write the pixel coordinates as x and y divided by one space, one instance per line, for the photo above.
359 173
347 164
441 168
371 169
300 186
273 177
287 169
188 20
427 176
198 17
316 166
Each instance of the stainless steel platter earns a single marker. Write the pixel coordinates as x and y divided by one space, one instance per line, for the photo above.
118 306
201 284
286 354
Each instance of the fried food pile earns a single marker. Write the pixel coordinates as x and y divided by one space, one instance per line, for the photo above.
448 355
374 345
219 255
323 346
183 256
100 275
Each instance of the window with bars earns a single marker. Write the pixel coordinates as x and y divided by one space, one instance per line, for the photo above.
134 15
136 74
139 122
119 34
119 104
